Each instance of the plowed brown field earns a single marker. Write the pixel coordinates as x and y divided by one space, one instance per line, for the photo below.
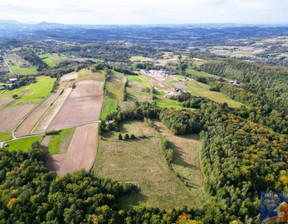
81 152
77 111
12 115
87 88
4 100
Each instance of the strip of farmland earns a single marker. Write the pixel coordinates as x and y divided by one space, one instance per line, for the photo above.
82 107
26 126
50 114
12 115
81 152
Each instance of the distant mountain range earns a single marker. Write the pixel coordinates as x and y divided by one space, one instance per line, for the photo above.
195 34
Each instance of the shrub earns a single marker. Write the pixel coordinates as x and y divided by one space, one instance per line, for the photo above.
132 136
120 137
126 137
53 132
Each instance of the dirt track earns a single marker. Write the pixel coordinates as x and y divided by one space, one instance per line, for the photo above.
81 152
10 116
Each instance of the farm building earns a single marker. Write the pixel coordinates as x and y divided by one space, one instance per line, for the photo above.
176 91
24 66
235 83
11 80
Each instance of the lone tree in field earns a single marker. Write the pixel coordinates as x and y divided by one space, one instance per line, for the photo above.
126 137
15 96
120 137
132 136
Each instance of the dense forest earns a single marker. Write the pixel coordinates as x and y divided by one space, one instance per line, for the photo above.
239 157
31 194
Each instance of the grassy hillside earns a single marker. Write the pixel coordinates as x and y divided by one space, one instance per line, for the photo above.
141 162
53 59
59 143
5 136
22 144
109 106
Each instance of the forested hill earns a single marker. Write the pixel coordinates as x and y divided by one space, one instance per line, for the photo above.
31 194
264 90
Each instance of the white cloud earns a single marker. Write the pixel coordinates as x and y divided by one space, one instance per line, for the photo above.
149 11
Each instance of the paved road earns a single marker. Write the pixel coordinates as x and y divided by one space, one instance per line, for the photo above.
9 67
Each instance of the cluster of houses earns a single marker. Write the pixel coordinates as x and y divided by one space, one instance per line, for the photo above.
161 72
12 81
235 83
176 91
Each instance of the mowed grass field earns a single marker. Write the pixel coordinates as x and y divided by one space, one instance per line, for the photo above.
109 106
187 157
141 162
201 89
114 89
59 143
197 73
164 102
22 144
140 79
5 136
31 70
35 92
38 91
53 59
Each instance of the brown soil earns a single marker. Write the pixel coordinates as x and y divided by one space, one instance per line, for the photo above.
77 111
81 152
87 88
4 100
12 115
31 120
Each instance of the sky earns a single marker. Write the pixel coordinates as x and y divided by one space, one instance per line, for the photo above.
146 11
